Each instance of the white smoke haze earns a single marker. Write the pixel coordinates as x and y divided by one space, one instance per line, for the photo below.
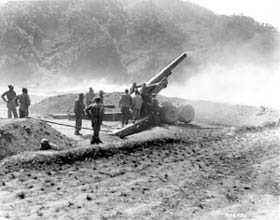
245 83
234 75
248 84
241 83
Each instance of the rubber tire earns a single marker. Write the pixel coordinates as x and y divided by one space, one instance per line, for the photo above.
186 113
169 114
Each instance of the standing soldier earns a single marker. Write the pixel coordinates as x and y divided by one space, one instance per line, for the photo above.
101 93
137 102
9 97
133 88
95 111
89 96
79 112
125 104
155 110
146 100
24 102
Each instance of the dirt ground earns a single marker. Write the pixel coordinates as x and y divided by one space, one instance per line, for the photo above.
199 172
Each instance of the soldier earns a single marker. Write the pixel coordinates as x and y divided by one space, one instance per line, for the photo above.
133 88
137 102
101 93
89 96
125 103
79 112
9 97
23 101
146 100
155 110
95 111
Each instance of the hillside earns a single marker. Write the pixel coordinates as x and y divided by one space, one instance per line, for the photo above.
120 40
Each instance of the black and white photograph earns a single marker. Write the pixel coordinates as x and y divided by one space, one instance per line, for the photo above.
139 110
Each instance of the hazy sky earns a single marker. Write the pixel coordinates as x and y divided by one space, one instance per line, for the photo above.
266 11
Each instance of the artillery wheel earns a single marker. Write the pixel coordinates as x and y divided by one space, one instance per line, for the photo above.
186 113
169 114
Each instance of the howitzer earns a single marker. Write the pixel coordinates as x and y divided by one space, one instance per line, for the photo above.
152 113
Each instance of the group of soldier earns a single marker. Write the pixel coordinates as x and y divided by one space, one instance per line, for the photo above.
141 104
13 101
94 109
131 101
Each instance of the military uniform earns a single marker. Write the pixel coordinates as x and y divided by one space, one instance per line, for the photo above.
125 104
24 103
95 112
137 102
79 112
11 105
89 97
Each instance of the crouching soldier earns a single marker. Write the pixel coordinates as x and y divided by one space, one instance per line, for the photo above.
95 112
79 112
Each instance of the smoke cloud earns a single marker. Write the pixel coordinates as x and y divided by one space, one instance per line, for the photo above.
233 75
248 80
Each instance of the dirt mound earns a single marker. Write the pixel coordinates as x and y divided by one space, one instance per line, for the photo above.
54 104
64 104
22 135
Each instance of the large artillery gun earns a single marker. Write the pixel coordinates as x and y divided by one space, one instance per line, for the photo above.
153 113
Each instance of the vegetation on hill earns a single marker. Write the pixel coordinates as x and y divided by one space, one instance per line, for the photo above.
120 40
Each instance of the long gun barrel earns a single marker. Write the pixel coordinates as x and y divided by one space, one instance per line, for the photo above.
166 71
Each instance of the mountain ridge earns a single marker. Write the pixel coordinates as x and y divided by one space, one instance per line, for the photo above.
120 40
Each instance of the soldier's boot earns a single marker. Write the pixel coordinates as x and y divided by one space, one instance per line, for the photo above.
96 140
77 132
